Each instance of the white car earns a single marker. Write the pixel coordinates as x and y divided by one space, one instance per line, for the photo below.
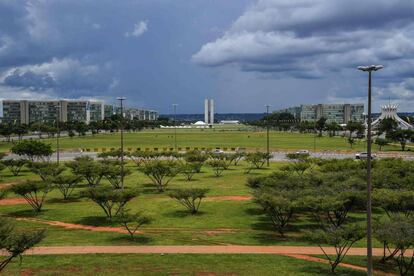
302 152
218 150
364 155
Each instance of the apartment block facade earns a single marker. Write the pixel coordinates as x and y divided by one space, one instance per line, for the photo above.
338 113
30 111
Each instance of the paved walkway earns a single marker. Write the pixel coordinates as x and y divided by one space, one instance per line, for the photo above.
194 249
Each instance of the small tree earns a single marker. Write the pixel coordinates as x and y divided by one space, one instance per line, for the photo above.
341 238
111 201
87 168
190 198
33 150
114 173
320 125
45 169
401 136
218 166
381 142
196 158
14 165
161 172
398 233
235 158
256 160
65 184
279 207
33 192
14 243
188 170
351 141
131 222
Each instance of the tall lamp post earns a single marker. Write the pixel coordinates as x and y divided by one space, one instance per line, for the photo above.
58 108
121 101
267 134
369 69
175 127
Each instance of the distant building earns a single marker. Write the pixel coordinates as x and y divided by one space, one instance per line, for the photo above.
339 113
49 111
389 111
229 122
209 111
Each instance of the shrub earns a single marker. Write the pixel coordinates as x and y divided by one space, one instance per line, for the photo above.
218 166
33 192
14 165
188 170
111 201
256 160
87 168
65 184
131 222
33 150
341 238
190 198
46 169
113 172
14 243
161 172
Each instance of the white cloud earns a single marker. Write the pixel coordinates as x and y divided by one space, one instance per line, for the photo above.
139 29
319 35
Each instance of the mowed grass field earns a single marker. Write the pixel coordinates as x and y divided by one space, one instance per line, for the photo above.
209 138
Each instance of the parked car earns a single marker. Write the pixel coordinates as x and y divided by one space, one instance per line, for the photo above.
364 155
302 152
218 150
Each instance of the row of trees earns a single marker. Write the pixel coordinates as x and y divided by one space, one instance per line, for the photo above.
50 129
329 191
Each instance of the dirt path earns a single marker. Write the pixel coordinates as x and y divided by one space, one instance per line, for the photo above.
196 249
228 198
77 226
209 232
12 201
345 265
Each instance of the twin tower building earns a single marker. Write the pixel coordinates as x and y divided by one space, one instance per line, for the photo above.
209 111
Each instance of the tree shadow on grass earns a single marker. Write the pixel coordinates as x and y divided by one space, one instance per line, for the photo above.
96 221
183 214
28 213
324 269
61 200
138 239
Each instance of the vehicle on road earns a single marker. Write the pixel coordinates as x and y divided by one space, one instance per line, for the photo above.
302 152
364 155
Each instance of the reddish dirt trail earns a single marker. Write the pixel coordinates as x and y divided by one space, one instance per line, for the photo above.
73 226
345 265
12 201
77 226
228 198
196 249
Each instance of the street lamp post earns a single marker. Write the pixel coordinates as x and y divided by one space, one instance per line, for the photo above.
267 134
369 69
58 108
121 100
175 127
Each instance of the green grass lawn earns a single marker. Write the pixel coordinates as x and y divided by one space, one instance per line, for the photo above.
219 222
169 264
209 139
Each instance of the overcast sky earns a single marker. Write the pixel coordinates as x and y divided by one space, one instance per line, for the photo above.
242 53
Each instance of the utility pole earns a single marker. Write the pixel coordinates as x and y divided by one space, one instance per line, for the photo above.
175 126
58 108
121 100
369 69
267 134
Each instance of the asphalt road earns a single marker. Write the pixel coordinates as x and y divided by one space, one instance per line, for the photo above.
277 156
